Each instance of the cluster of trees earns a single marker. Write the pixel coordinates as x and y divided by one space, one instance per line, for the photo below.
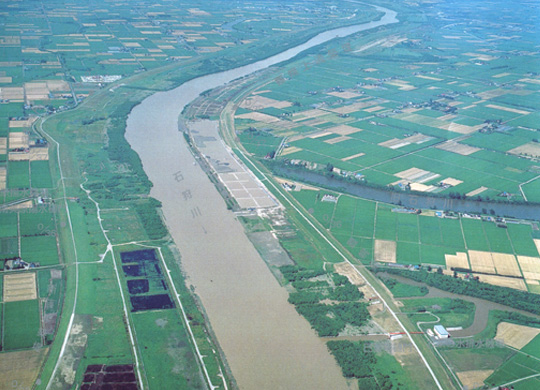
151 220
326 319
357 361
514 298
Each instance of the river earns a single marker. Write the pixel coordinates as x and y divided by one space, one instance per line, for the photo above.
407 199
266 343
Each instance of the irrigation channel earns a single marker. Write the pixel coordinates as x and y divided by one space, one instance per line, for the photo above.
266 343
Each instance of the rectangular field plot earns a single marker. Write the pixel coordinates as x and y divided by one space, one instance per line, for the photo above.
40 249
430 232
18 174
521 236
436 255
505 264
36 223
40 174
385 251
8 225
146 285
364 218
474 234
408 253
407 228
19 287
498 238
481 262
21 327
386 224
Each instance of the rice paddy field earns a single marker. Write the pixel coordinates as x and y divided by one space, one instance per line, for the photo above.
455 113
379 232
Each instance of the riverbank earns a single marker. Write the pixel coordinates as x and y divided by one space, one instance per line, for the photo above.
264 339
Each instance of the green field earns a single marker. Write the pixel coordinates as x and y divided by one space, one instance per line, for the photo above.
21 326
40 249
420 239
40 174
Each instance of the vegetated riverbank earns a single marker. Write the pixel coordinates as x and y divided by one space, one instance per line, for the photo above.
402 198
266 349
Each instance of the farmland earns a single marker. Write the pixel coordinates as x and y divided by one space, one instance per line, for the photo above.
377 232
448 121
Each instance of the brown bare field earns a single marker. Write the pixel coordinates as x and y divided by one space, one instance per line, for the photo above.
502 108
344 95
3 145
375 108
461 129
20 287
501 75
411 173
21 368
530 148
385 251
256 102
429 78
337 140
308 114
394 143
505 264
493 93
3 174
18 140
473 379
455 147
344 130
516 336
496 280
451 181
459 260
448 117
401 84
21 206
258 116
12 93
477 191
481 261
34 154
350 272
290 150
481 57
353 156
360 105
422 187
320 134
530 267
23 123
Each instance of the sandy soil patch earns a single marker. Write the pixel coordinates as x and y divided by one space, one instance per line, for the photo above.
402 85
451 181
257 102
394 143
417 175
478 191
22 123
198 12
516 336
259 117
12 93
344 130
473 379
493 93
344 95
481 262
337 140
3 145
21 369
518 284
350 272
21 206
20 287
530 267
531 148
459 260
385 251
455 147
505 264
18 140
501 75
508 109
353 156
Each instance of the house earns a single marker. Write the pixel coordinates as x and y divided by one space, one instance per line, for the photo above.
441 332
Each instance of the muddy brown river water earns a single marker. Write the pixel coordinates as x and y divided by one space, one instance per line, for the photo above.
266 343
